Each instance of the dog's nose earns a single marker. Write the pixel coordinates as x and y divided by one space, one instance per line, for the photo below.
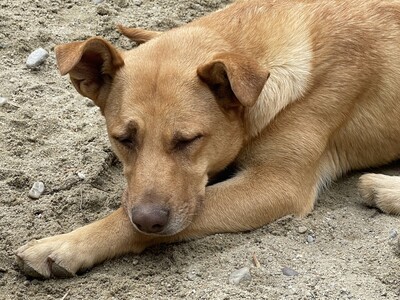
150 218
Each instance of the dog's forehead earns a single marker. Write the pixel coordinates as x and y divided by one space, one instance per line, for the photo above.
160 98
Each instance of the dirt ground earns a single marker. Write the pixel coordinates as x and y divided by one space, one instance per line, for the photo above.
49 133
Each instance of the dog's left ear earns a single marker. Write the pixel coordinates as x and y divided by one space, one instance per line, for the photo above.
233 77
91 65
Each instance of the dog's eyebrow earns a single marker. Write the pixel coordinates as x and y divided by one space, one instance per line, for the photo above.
180 135
129 132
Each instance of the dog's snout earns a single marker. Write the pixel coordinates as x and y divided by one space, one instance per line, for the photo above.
150 218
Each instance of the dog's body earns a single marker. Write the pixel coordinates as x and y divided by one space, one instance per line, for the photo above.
295 92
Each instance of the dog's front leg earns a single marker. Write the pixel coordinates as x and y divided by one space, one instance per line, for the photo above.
251 200
65 254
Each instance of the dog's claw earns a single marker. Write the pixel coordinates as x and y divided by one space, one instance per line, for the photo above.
53 257
27 269
57 271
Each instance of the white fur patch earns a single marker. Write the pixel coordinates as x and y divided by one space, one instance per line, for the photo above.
289 79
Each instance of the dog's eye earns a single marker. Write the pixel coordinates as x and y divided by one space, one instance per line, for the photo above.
127 142
183 143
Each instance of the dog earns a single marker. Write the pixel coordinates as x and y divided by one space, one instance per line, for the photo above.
294 93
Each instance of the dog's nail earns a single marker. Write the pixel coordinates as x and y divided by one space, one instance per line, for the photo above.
28 270
58 271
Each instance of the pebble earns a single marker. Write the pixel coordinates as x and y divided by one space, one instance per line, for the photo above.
37 190
89 103
137 2
302 229
98 1
122 3
239 276
289 272
310 239
81 175
36 58
192 275
3 101
393 234
103 10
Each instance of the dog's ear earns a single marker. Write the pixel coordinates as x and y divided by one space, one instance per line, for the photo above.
138 35
91 65
234 78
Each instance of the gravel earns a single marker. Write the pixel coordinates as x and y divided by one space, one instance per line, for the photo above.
37 190
393 234
302 229
3 101
289 272
310 239
36 58
240 276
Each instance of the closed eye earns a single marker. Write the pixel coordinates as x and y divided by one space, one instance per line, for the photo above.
182 143
127 142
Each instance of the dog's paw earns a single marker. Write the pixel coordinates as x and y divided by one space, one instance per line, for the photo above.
381 191
59 256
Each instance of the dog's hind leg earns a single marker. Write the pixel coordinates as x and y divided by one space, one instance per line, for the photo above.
381 191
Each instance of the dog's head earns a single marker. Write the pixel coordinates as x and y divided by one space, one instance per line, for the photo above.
174 113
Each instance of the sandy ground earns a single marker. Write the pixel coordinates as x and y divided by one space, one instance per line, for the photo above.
49 133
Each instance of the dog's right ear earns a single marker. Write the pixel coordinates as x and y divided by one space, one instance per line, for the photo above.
138 35
235 79
91 65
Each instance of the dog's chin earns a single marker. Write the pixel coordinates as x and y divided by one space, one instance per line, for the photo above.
170 230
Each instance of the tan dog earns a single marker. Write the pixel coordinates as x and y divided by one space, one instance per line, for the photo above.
296 93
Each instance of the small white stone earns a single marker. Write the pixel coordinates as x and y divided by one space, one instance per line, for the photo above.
3 101
302 229
392 234
81 175
37 190
36 58
98 1
310 239
239 276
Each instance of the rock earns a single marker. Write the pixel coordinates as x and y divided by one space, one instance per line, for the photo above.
192 275
310 239
302 229
289 272
37 190
3 101
137 2
239 276
122 3
97 1
36 58
81 175
104 10
392 233
89 103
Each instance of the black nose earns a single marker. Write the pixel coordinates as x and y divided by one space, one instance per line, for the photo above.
150 218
